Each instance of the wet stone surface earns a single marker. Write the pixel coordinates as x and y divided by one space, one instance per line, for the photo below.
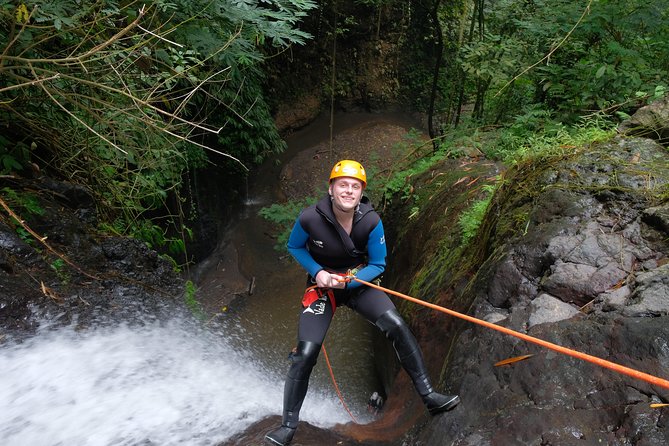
77 276
590 273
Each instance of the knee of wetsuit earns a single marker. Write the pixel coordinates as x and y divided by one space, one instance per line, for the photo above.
303 359
391 324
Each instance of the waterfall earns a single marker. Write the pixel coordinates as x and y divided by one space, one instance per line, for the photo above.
161 383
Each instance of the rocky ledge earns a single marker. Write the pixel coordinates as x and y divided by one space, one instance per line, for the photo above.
574 251
57 269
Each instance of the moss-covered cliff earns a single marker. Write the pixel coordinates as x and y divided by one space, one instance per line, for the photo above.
574 250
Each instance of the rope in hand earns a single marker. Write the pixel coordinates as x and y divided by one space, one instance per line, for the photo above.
558 348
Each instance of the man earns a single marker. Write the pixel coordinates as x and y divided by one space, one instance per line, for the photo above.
342 232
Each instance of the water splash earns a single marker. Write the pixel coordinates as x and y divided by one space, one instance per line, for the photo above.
160 384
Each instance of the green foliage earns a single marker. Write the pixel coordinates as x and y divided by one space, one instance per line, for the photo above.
491 57
471 219
58 266
283 216
255 142
25 203
398 183
125 99
420 46
191 301
13 156
25 236
155 236
616 51
537 134
558 55
465 140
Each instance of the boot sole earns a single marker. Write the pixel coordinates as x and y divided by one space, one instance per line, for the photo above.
446 406
273 441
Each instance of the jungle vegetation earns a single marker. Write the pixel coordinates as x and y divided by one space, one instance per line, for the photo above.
126 98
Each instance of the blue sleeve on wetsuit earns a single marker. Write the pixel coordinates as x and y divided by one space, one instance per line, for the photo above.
297 246
376 257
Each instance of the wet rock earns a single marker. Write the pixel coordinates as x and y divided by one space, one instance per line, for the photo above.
296 115
580 283
505 284
614 299
74 195
547 308
306 434
657 216
14 249
651 296
651 121
75 277
589 272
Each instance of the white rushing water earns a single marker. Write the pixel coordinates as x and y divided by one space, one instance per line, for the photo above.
160 384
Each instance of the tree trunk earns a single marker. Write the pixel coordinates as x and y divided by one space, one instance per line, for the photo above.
505 105
481 85
435 75
463 75
481 90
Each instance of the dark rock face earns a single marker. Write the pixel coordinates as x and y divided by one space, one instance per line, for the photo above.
590 272
651 121
80 277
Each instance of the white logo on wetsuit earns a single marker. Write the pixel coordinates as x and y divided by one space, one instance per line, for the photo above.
318 243
317 308
383 240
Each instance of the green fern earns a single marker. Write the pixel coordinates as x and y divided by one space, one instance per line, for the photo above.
471 219
284 216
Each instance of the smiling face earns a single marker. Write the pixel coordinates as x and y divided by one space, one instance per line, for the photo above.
346 193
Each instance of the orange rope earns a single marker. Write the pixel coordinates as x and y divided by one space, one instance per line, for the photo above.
341 398
567 351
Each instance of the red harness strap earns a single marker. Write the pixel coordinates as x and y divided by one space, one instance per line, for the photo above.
313 293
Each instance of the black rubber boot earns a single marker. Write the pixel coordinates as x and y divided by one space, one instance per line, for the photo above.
280 436
411 358
297 382
437 403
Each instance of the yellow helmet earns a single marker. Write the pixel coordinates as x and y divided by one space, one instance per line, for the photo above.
349 168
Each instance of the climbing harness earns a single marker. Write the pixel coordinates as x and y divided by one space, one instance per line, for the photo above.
313 293
651 379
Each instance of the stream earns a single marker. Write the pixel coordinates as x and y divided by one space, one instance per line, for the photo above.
181 382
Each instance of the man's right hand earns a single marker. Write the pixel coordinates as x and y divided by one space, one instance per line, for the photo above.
325 279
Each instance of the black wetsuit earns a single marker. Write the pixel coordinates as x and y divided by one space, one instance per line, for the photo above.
318 242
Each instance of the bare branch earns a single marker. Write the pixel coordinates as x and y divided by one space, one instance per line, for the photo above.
77 118
29 83
159 37
207 148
